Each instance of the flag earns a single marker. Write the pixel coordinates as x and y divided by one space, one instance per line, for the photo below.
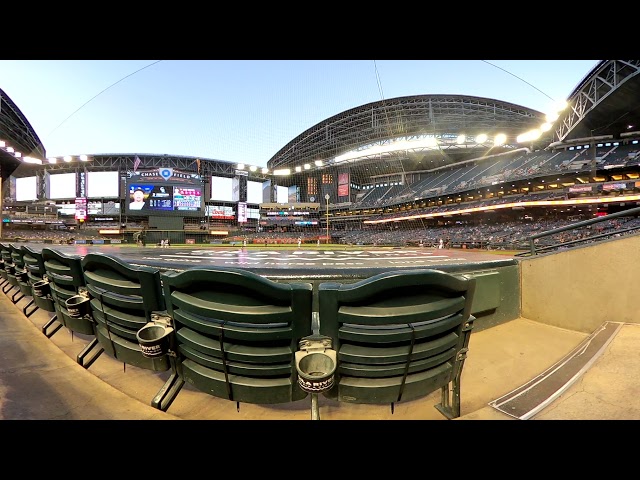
198 165
136 163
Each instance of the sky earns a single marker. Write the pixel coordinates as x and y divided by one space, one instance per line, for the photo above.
245 111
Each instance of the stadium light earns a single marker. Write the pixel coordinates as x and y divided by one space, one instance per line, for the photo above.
36 161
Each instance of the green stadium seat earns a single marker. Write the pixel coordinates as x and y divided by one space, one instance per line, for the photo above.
235 335
14 259
34 264
399 336
122 298
65 280
3 274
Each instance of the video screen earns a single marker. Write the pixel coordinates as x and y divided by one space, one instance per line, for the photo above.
187 199
151 198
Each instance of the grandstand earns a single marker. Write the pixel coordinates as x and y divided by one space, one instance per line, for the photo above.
402 171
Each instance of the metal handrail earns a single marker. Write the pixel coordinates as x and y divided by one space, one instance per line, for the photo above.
573 226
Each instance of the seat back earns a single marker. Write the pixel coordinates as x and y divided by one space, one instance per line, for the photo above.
64 272
399 336
21 274
122 299
13 256
236 332
5 256
34 264
16 256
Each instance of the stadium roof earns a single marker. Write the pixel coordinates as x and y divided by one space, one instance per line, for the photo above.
15 128
443 116
605 102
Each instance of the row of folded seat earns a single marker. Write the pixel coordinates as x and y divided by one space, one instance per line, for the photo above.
236 335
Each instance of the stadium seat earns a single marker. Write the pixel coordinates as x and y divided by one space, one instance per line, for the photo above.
399 336
34 264
65 280
14 260
122 298
235 335
3 273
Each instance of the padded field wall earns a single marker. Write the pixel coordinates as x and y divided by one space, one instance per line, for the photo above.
497 297
581 288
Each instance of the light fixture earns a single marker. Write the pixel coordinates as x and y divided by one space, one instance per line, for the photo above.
500 139
36 161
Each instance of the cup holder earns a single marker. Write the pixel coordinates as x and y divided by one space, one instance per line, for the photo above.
154 337
77 306
22 276
41 288
316 364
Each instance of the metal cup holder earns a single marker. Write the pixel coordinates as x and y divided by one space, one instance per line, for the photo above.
316 363
78 305
22 276
41 288
154 337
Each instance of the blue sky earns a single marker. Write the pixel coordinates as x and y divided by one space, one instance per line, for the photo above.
245 110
